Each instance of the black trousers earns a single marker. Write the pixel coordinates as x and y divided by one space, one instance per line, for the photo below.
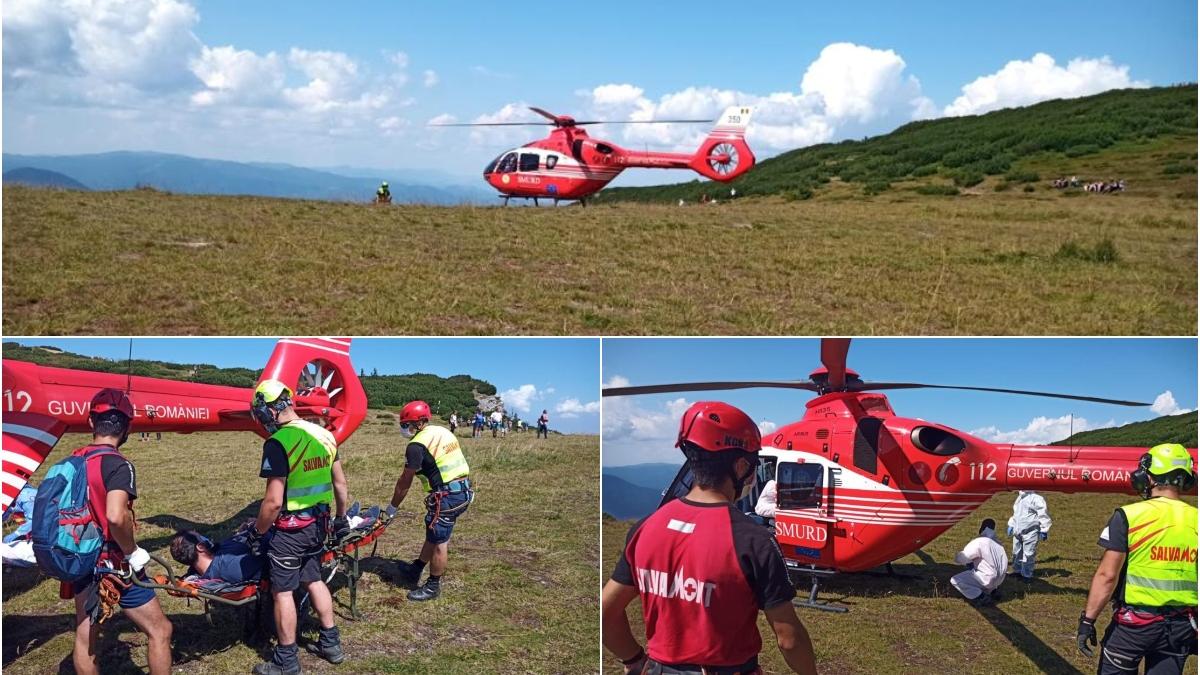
1165 646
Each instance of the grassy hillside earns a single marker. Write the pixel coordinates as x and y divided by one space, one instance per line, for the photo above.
444 393
1021 145
520 591
1170 429
896 263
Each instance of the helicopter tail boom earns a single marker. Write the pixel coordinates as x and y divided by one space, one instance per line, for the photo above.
1064 468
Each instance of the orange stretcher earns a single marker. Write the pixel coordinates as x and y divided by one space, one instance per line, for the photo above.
340 556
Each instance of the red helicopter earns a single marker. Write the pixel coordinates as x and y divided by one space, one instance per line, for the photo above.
41 403
859 486
570 165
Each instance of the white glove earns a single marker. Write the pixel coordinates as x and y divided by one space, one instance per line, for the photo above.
138 559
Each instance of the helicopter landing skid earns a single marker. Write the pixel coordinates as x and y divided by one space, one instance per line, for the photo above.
811 602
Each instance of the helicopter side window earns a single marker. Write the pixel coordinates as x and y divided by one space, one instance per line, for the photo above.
551 161
508 164
529 161
866 444
937 441
799 485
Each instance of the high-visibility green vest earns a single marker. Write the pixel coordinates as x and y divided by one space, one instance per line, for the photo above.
1160 567
311 451
447 453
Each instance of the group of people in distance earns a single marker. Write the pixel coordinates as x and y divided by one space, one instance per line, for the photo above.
500 424
305 500
703 570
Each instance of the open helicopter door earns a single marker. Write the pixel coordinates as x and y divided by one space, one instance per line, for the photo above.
679 487
803 516
804 524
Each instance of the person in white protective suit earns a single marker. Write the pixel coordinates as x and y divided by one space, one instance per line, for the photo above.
767 501
1030 523
988 563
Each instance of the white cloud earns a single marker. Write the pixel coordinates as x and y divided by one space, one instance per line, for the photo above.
236 74
617 381
862 84
571 407
1040 430
521 398
1164 404
101 52
766 426
429 78
1021 83
848 89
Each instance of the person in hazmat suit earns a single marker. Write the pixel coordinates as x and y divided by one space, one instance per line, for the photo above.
988 564
1029 525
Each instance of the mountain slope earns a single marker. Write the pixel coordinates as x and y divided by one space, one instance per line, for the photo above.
656 476
1168 429
42 177
964 150
622 499
191 175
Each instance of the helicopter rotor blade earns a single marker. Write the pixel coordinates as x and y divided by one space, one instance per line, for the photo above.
495 124
543 113
833 357
645 122
883 386
708 386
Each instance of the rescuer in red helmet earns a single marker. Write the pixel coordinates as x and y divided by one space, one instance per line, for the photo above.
702 568
110 416
433 455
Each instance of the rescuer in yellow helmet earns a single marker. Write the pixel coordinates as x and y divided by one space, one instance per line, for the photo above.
304 476
1149 571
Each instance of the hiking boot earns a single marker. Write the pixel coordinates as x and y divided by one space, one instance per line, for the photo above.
427 592
983 600
284 661
407 574
329 647
272 668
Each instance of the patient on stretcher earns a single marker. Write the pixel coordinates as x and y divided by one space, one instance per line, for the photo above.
230 561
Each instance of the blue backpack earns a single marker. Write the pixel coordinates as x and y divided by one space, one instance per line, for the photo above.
70 519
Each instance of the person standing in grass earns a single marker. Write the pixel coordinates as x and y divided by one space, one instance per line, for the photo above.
1148 570
703 569
543 430
1029 524
434 455
304 476
110 416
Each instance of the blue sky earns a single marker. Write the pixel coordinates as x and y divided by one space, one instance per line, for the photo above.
327 84
640 429
531 374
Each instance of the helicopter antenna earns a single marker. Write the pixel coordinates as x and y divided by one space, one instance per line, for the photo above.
129 369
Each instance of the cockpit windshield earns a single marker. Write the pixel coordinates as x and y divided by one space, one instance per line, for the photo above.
506 163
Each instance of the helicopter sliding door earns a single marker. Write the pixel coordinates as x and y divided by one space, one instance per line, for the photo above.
802 522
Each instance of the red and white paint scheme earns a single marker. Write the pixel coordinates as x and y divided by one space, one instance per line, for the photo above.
570 165
859 486
41 403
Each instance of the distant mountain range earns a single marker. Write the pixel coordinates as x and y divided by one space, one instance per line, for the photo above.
191 175
30 176
630 492
633 491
